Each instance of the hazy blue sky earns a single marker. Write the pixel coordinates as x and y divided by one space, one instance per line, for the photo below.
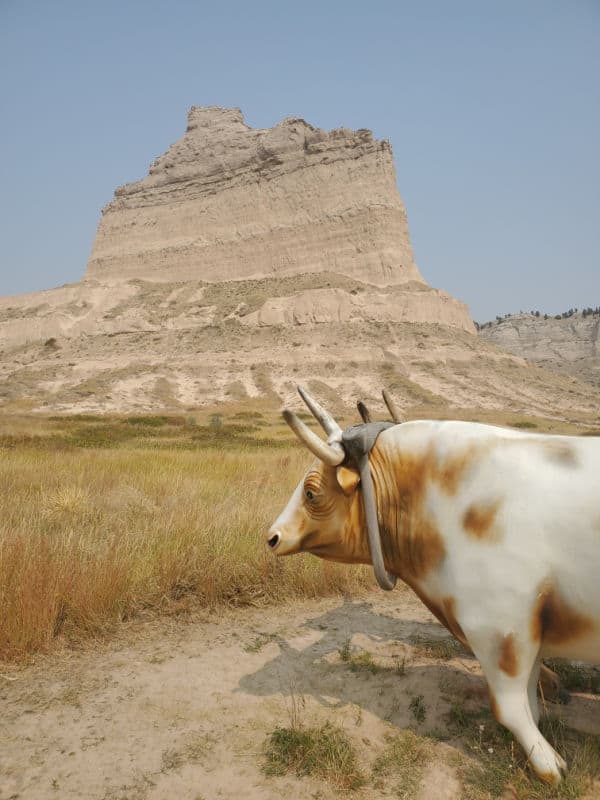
492 109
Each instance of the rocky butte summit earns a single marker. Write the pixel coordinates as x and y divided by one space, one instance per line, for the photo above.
246 261
229 202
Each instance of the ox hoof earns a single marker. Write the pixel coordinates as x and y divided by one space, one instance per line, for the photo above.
553 769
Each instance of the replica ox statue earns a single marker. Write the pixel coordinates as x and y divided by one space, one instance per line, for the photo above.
497 531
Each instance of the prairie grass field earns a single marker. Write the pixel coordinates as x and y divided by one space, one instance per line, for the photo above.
103 516
104 519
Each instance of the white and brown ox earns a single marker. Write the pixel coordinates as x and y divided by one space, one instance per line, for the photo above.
497 531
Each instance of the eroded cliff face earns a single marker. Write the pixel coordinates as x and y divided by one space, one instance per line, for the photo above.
147 345
570 345
246 262
308 224
229 202
311 300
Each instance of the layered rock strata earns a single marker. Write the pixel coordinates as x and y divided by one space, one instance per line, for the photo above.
570 344
229 202
140 345
246 262
311 301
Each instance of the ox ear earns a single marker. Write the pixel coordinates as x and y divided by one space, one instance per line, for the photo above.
348 479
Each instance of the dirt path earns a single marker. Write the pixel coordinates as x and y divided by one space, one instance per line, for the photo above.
179 709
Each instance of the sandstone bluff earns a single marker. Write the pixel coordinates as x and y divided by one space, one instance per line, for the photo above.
569 343
246 261
231 202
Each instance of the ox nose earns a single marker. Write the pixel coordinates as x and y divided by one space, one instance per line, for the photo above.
274 539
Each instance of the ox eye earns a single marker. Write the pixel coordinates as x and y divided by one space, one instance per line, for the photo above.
310 495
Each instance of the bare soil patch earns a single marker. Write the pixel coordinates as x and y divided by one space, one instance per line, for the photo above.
185 707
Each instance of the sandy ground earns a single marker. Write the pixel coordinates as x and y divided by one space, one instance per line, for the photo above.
179 708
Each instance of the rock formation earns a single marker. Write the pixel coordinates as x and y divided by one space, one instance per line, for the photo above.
247 261
570 344
229 202
140 346
315 214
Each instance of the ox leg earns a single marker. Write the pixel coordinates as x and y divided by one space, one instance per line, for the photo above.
511 699
551 687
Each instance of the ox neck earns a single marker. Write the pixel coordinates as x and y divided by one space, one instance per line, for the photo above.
358 441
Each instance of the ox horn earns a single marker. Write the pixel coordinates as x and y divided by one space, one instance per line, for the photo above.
391 406
325 420
364 412
332 454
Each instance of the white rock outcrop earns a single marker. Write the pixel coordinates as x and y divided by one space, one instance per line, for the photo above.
327 305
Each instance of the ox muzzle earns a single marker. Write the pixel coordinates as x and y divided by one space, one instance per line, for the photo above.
350 447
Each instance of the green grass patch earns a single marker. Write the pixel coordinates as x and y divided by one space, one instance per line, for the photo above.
345 651
498 762
154 421
362 661
252 416
324 752
77 418
159 431
257 644
418 708
400 766
443 648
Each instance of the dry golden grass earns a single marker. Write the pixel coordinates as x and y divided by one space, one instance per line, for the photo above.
89 536
103 516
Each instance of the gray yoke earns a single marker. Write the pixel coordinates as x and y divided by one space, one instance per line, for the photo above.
358 441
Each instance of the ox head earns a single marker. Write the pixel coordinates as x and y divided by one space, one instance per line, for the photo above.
331 514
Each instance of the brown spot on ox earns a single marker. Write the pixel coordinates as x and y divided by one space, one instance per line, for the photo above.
451 471
560 452
478 520
508 660
411 542
425 549
554 621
